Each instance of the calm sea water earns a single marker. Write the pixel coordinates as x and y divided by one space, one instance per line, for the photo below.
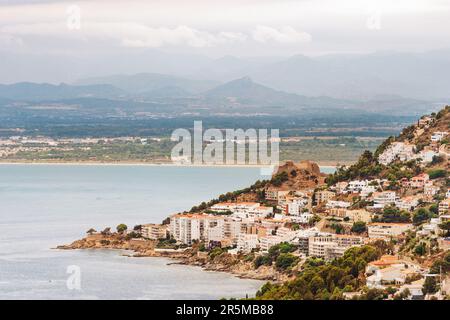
42 206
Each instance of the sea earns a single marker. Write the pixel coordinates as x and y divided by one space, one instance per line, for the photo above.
46 205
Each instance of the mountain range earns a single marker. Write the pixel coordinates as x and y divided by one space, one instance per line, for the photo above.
422 76
241 94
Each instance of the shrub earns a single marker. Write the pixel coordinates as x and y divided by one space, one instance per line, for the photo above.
262 260
285 261
437 173
359 227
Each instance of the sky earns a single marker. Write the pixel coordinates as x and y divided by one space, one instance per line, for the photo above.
217 28
63 41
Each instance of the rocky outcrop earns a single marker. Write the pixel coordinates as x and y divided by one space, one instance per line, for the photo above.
301 175
233 264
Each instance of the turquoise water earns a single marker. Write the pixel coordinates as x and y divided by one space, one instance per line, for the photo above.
42 206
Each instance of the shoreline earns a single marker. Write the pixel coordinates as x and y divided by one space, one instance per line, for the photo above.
322 164
191 257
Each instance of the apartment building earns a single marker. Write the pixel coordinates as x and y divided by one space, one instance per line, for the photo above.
337 204
444 207
358 215
187 227
324 196
397 150
357 185
387 230
419 181
275 194
243 209
295 206
154 231
247 242
330 246
430 190
438 136
408 203
382 199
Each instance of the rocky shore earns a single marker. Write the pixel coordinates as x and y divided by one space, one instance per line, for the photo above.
233 264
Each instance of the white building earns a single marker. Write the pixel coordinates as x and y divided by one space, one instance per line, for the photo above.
329 246
408 203
243 209
247 242
337 204
295 206
366 191
382 199
426 155
397 150
282 235
357 185
153 231
438 136
302 218
387 230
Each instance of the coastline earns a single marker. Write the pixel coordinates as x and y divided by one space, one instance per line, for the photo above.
323 164
233 265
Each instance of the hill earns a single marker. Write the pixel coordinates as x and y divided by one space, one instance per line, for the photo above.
419 148
245 91
27 91
146 83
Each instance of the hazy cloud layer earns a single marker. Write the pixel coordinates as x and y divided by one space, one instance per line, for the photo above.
58 40
232 27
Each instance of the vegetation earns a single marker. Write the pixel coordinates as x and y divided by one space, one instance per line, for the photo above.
359 227
279 178
91 231
437 173
441 265
430 285
280 254
392 214
366 167
324 281
230 196
421 215
121 228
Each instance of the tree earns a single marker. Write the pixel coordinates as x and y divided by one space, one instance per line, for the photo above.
91 231
420 249
437 173
434 209
121 228
445 226
393 214
285 261
106 231
421 215
262 260
430 286
359 227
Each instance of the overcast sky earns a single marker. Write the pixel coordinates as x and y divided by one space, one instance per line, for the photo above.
217 28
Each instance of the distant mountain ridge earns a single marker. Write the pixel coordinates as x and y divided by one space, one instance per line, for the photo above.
142 83
27 91
246 91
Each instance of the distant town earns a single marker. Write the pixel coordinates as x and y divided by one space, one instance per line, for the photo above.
20 147
378 229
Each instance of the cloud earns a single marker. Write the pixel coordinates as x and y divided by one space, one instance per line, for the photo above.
285 35
128 34
9 41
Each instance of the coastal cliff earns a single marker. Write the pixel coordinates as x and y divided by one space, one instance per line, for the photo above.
233 264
